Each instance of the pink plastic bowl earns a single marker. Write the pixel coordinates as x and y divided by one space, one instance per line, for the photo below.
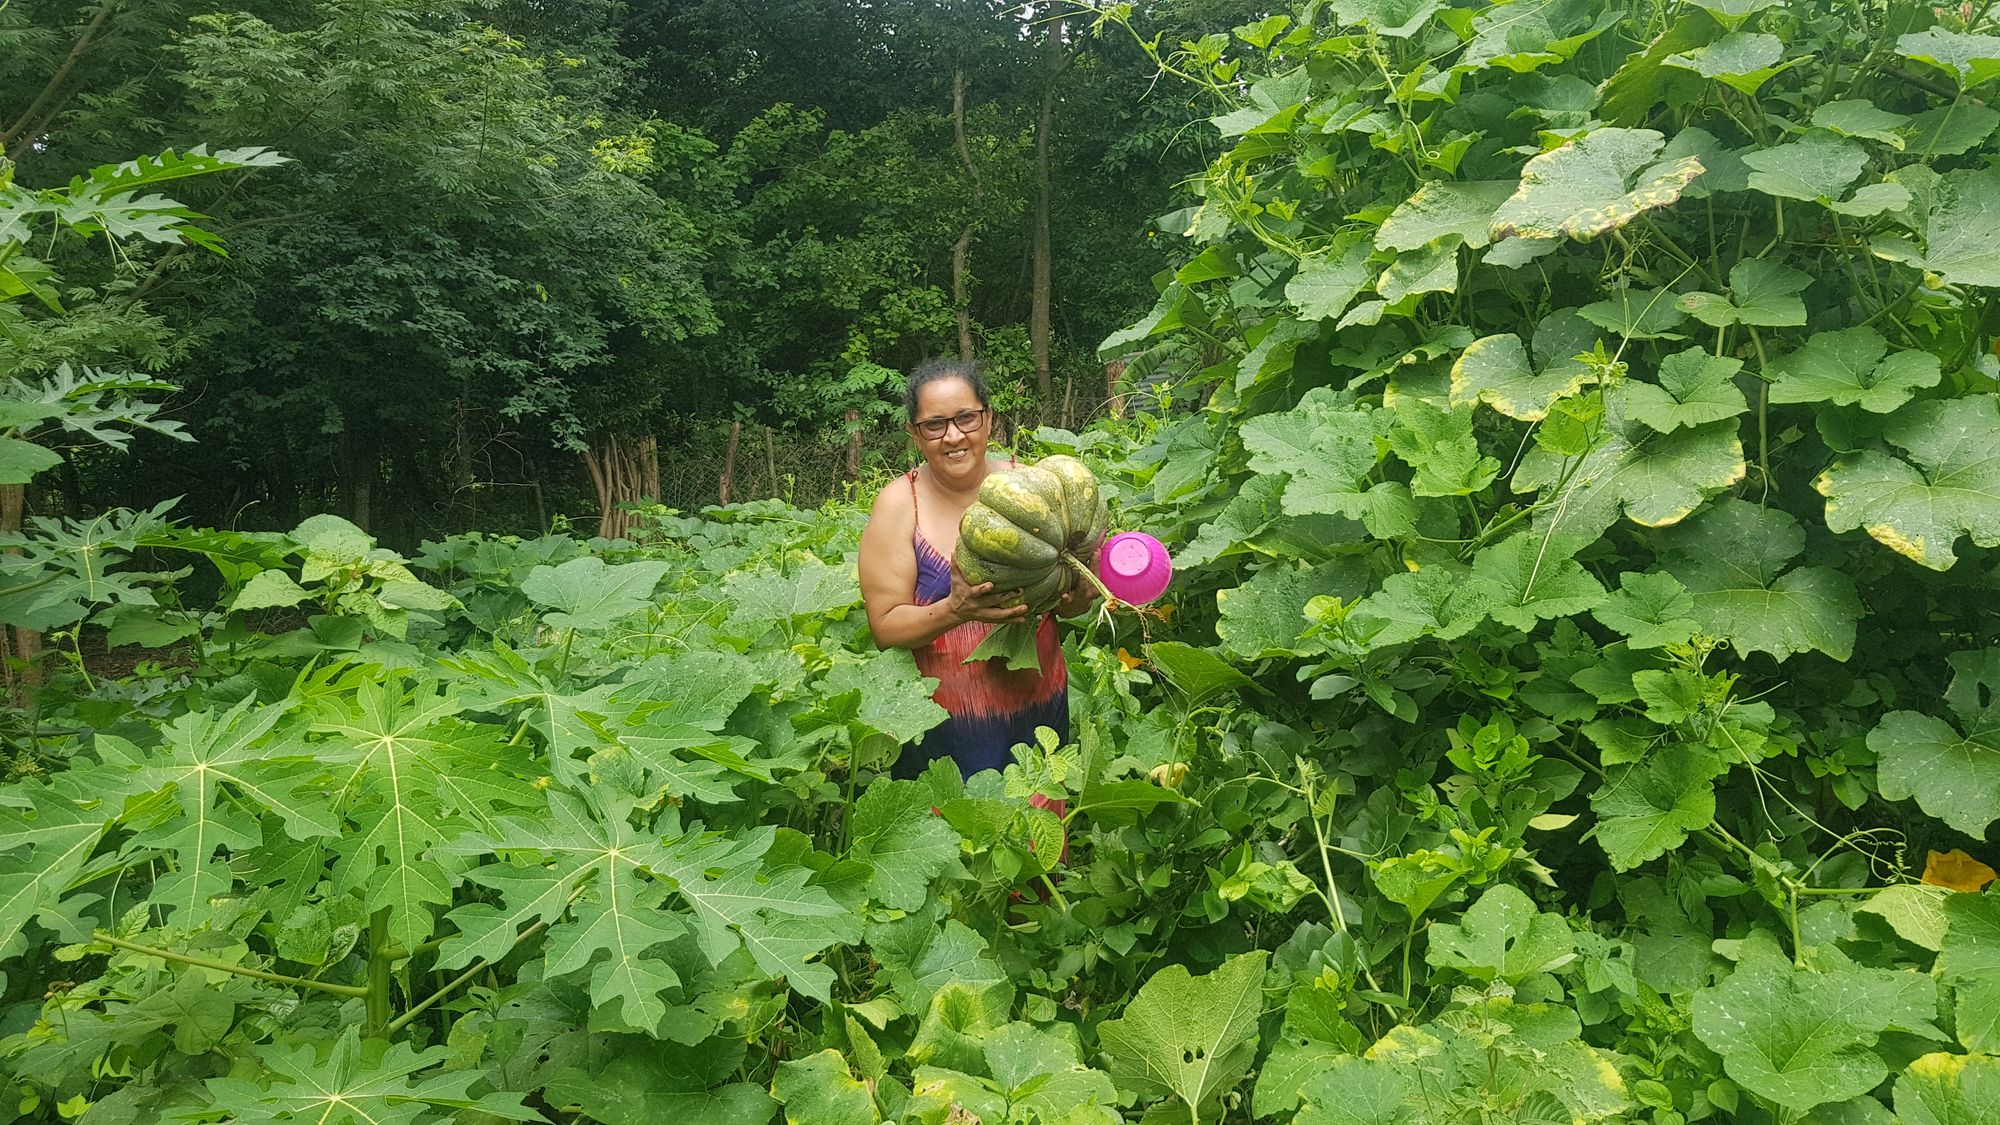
1134 566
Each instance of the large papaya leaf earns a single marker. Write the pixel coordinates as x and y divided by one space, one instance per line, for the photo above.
1595 184
1802 1038
207 760
41 848
349 1082
609 909
1949 486
1953 772
772 912
1732 559
410 777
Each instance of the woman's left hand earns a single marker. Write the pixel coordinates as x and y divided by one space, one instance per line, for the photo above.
1080 597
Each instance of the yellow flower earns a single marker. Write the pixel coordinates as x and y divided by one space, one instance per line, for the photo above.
1128 660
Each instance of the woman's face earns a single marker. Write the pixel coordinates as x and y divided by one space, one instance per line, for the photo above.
958 454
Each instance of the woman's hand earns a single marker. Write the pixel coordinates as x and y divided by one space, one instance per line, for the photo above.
967 602
1080 597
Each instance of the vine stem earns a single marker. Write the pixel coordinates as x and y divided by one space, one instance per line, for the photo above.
402 1021
239 970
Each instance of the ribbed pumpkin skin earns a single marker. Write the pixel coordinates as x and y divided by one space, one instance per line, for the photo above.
998 540
977 568
1031 499
1016 534
1081 501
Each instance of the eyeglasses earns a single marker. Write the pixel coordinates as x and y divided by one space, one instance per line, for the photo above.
967 421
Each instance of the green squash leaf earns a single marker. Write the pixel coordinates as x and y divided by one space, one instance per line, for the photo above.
586 593
1970 60
1944 1089
1863 120
1648 808
1732 559
1534 581
1761 292
819 1090
1324 287
1852 367
1961 227
1502 937
1653 479
1497 370
1953 772
1949 486
1397 19
1742 60
1969 958
1187 1036
1649 610
1817 168
1802 1038
1441 208
1440 446
1694 389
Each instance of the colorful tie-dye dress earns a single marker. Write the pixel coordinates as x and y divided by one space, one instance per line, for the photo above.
991 708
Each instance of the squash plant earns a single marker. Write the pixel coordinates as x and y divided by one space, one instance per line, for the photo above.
1577 704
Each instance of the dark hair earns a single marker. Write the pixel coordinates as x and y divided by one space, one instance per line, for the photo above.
936 370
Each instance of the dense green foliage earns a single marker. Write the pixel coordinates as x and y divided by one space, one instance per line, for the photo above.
1581 665
514 231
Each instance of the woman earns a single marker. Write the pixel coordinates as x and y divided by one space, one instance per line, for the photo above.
917 599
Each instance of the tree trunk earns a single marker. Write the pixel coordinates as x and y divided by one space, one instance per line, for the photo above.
729 461
622 472
961 251
21 130
23 644
1114 402
1040 287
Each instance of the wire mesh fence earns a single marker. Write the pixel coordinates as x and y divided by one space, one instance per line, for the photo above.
805 470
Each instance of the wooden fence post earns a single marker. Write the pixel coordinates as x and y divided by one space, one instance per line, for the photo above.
854 445
729 459
1114 401
771 460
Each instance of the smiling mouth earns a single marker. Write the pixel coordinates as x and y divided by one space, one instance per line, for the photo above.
956 454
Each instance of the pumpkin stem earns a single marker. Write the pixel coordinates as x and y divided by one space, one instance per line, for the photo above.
1111 600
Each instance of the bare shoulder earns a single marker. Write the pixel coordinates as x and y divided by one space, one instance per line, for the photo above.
892 507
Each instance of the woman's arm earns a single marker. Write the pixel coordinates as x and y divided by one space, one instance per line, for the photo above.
888 567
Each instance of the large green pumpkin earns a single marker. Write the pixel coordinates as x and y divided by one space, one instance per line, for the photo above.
1031 528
